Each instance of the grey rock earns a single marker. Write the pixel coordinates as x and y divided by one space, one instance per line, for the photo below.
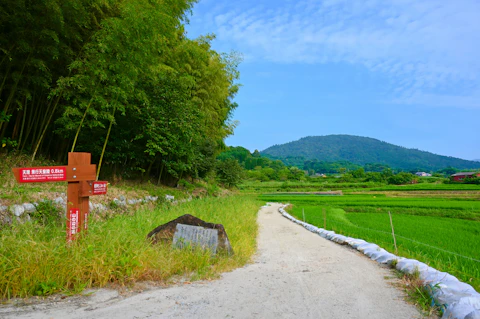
17 210
150 198
90 206
132 201
169 197
193 231
3 208
122 198
29 207
60 201
119 202
25 218
5 219
99 207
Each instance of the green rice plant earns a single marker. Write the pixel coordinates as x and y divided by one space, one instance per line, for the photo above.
428 187
35 259
463 208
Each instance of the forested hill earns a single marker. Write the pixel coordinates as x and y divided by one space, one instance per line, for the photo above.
363 150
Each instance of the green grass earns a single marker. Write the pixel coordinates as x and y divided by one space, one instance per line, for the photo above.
444 233
308 186
35 260
463 208
429 187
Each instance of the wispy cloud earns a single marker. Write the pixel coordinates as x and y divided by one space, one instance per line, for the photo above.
425 47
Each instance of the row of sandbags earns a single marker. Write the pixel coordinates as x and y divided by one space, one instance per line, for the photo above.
458 299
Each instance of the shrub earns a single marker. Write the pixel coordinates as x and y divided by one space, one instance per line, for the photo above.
229 172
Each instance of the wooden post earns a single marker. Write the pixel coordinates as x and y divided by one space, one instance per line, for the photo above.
80 175
75 202
393 233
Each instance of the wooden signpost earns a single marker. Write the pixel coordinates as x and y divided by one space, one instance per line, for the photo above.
80 175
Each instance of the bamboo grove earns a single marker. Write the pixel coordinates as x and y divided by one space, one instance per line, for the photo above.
116 78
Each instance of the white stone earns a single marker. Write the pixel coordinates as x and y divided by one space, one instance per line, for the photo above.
59 201
17 210
29 207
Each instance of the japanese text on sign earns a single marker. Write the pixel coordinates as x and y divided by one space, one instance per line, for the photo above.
42 174
72 223
99 187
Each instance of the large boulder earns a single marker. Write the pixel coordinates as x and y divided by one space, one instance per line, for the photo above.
173 229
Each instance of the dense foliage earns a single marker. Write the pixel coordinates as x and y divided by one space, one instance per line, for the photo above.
362 151
259 168
118 79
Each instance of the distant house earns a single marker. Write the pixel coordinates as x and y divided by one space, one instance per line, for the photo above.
423 174
463 175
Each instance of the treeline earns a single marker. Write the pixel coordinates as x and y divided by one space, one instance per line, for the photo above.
118 79
238 163
245 165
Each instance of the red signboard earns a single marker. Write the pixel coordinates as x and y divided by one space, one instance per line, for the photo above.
72 223
85 222
99 188
43 174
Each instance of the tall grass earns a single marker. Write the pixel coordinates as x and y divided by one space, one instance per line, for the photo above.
35 260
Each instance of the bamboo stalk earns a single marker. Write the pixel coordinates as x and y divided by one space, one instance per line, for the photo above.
40 139
23 124
81 123
106 141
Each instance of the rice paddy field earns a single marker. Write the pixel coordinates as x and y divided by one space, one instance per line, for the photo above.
441 231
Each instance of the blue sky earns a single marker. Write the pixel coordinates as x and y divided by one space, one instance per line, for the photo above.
406 72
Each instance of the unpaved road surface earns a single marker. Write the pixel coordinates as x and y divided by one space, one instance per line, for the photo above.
296 274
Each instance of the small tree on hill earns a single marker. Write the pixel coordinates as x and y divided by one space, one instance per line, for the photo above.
229 172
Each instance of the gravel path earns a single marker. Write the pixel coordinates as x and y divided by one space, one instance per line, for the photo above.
296 274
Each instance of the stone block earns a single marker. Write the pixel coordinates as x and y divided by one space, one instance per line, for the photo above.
195 236
165 233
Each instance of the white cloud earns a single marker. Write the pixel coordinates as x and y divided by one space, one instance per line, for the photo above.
425 46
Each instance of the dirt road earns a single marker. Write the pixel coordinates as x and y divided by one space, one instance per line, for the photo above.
296 274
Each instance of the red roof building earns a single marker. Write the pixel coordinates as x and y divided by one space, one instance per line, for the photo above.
458 177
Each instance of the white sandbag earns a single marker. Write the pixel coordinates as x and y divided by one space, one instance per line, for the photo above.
473 315
354 242
368 246
339 239
329 234
467 306
433 276
449 292
382 256
409 266
387 258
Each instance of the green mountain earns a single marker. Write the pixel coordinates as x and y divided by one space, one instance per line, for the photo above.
363 150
